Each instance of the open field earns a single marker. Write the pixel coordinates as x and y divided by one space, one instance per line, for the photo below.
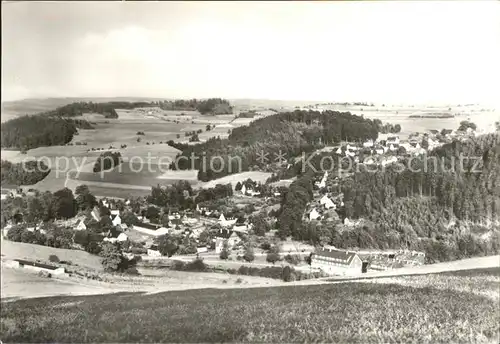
344 312
116 192
17 283
19 250
130 174
238 177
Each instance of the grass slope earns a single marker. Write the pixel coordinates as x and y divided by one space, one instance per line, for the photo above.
344 312
19 250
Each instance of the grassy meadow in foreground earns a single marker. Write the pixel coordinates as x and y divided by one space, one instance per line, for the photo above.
344 312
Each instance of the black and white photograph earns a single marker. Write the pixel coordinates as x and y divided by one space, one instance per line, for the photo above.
250 172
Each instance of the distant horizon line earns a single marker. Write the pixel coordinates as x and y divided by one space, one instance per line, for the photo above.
249 99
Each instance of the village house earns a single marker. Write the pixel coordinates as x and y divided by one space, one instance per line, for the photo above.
153 251
394 140
116 219
368 144
122 237
314 215
242 228
379 150
174 216
337 262
80 226
321 184
5 230
232 239
201 249
150 229
95 214
226 222
327 202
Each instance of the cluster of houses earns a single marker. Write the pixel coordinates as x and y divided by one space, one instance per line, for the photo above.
249 191
327 204
374 151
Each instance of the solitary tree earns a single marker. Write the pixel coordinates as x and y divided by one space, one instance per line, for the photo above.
111 257
167 246
249 256
273 255
225 251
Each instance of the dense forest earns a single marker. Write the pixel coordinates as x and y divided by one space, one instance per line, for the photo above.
289 133
214 106
107 161
29 173
106 109
34 131
446 211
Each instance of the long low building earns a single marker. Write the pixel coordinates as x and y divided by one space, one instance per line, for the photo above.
337 262
150 229
35 266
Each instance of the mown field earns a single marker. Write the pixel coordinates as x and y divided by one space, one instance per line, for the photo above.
343 312
130 173
19 250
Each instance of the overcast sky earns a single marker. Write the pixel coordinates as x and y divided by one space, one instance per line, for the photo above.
400 52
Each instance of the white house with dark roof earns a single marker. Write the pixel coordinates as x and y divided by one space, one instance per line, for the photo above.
231 237
327 202
336 262
226 222
117 220
314 215
95 213
80 226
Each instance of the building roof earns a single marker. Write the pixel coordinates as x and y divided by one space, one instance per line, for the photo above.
36 264
225 234
148 226
345 257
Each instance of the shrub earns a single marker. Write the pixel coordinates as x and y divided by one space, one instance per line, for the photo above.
287 274
132 271
138 250
53 258
292 259
196 265
243 270
265 246
249 255
44 274
272 257
178 265
239 280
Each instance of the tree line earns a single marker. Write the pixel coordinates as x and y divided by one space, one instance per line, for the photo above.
34 131
289 134
107 161
214 106
18 174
